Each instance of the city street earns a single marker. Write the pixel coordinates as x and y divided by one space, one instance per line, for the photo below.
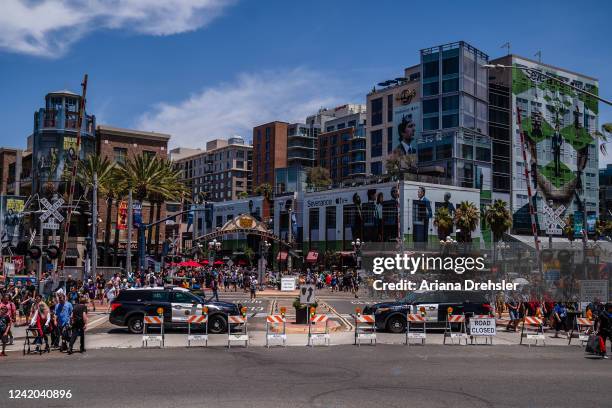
342 376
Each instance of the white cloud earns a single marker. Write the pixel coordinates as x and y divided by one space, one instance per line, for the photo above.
236 107
49 27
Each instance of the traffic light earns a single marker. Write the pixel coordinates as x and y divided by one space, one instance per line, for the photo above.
52 251
35 252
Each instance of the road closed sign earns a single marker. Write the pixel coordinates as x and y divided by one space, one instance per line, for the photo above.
480 326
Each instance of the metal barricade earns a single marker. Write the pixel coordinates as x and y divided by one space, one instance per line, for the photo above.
200 320
153 321
456 320
534 331
313 336
273 321
365 328
240 335
413 331
584 327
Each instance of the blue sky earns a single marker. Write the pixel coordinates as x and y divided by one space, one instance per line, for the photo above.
201 69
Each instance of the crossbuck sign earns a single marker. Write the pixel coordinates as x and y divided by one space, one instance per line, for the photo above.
51 217
552 219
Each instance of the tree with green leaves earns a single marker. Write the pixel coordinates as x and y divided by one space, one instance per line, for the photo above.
264 190
499 218
443 222
467 217
318 177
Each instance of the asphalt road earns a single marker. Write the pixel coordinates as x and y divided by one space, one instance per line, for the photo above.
340 376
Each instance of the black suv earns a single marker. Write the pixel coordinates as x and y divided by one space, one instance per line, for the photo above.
129 308
391 316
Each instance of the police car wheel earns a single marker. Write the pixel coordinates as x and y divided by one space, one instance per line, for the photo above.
217 324
135 325
396 325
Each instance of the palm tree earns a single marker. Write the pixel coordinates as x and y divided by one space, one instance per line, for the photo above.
499 218
467 217
444 222
150 177
104 170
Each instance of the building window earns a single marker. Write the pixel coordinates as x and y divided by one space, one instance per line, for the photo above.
425 154
390 108
377 111
148 154
376 148
376 168
120 155
389 139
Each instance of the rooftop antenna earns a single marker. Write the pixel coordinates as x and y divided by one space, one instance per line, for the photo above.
507 46
539 55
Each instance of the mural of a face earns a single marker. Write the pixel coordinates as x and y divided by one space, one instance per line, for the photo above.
406 130
421 193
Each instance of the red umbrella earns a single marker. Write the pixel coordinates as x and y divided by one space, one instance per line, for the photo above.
204 262
218 263
192 264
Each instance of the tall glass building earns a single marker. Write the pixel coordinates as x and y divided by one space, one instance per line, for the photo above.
454 141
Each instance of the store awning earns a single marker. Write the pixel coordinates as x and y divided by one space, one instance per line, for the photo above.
282 256
312 256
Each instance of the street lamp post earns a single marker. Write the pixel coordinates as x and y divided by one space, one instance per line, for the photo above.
264 247
357 250
214 246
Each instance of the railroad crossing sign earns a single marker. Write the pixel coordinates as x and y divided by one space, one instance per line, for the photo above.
51 217
552 219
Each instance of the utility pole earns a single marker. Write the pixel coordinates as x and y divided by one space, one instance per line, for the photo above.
94 226
128 250
75 164
290 238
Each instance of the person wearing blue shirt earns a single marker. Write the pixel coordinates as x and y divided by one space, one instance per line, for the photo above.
560 318
63 313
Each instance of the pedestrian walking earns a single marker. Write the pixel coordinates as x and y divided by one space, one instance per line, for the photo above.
63 315
79 324
604 329
5 328
253 288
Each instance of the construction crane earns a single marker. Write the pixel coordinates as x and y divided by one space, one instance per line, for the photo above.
75 164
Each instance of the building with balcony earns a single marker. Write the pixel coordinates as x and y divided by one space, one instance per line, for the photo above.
54 140
342 147
221 172
302 144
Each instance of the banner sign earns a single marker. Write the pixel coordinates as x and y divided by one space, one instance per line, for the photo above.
122 216
137 214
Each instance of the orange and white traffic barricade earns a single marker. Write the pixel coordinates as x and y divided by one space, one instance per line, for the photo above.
584 326
276 328
237 328
532 330
365 327
154 320
201 321
457 322
482 326
416 328
315 334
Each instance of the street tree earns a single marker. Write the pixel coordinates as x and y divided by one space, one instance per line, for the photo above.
467 217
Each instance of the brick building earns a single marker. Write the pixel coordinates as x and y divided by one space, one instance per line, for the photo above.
269 151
